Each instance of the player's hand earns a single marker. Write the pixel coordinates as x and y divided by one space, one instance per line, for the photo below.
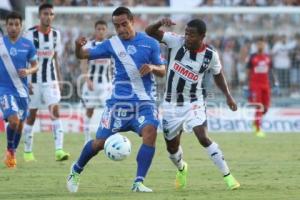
167 22
23 72
90 84
146 69
80 42
231 103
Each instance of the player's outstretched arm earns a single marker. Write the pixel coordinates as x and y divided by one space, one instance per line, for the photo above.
222 85
153 29
157 70
79 51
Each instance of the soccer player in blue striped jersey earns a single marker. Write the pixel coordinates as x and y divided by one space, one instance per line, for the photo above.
132 103
15 54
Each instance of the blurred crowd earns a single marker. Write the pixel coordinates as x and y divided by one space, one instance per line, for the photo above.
233 35
169 2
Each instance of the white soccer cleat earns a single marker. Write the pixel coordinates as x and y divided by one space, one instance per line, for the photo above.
140 187
73 181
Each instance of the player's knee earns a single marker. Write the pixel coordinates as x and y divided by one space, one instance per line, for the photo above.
149 135
14 123
89 113
54 110
31 117
98 145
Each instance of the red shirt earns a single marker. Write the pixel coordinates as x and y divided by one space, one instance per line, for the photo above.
259 66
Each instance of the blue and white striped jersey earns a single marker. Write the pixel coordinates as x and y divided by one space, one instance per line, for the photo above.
129 56
14 56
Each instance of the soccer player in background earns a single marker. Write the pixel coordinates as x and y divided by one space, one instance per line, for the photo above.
15 54
45 83
132 104
259 68
97 74
190 58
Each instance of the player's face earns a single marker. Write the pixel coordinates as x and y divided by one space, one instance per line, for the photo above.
260 46
124 26
13 27
46 17
100 31
193 39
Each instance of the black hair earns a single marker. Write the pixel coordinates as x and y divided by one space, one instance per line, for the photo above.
102 22
14 15
121 11
199 25
260 39
45 6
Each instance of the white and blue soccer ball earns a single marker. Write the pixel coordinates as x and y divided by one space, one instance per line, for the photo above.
117 147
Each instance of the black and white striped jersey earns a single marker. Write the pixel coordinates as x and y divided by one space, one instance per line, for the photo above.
47 44
186 70
100 70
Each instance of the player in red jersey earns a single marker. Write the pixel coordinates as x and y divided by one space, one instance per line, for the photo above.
259 67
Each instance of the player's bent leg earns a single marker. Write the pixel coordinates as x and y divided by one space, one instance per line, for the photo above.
10 158
144 158
216 155
176 156
28 135
89 150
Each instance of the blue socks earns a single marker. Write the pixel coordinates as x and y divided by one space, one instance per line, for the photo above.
144 159
10 135
17 139
86 154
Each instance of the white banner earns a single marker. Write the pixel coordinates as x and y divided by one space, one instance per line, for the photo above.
219 120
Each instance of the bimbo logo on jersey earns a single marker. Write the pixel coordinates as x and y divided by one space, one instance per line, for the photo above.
185 73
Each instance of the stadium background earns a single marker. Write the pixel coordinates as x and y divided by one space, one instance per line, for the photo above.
232 34
268 169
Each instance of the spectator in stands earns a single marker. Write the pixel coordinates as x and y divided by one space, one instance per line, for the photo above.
282 61
295 71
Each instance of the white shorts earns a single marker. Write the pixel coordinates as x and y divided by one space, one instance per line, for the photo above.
44 94
96 97
176 118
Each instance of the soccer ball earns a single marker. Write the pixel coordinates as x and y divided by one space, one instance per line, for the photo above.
117 147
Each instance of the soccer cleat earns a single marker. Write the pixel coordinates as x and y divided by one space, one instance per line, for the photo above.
180 181
140 187
73 181
231 182
29 157
260 134
61 155
10 159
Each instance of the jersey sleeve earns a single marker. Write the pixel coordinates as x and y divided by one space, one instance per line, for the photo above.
58 48
32 56
215 65
156 57
99 51
172 39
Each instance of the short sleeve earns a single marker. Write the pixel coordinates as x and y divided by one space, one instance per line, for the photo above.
156 57
172 39
215 64
32 56
99 51
58 48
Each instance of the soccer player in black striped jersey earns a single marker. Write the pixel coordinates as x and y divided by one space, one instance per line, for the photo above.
98 75
45 83
190 58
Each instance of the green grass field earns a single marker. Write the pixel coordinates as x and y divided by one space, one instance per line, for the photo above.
267 168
